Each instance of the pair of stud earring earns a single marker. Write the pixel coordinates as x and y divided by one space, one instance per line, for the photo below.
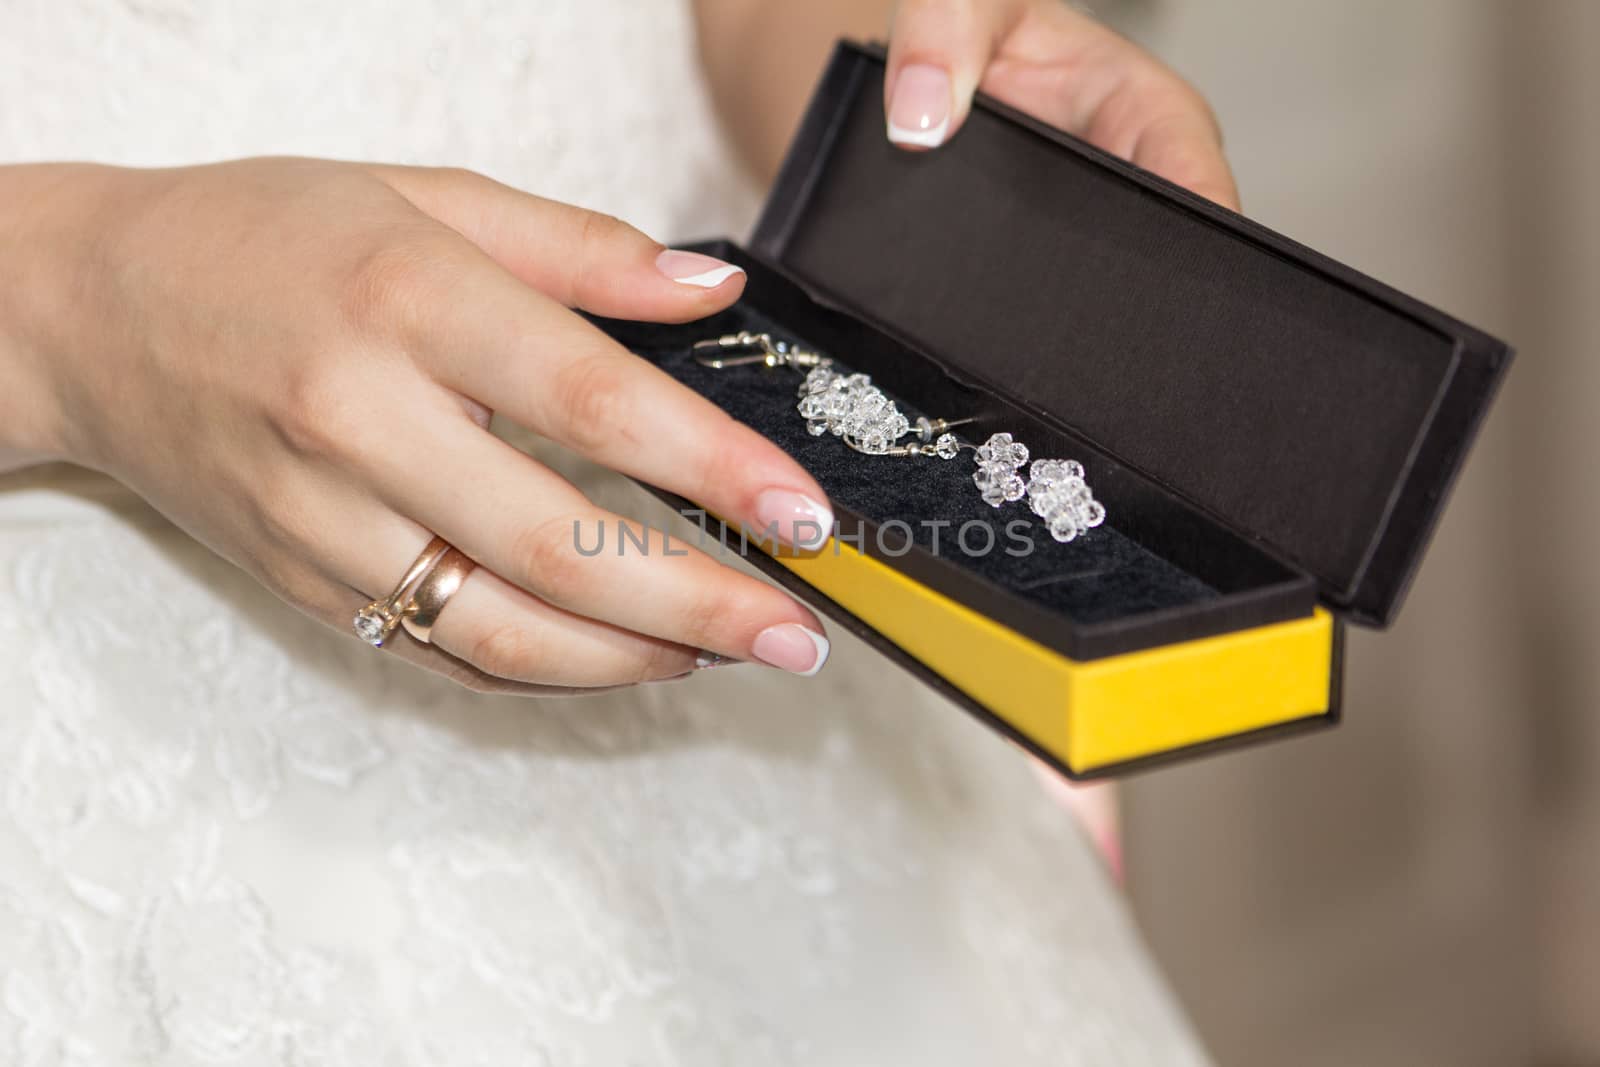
850 407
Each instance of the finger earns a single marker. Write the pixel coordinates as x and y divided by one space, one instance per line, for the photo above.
505 632
517 352
938 50
1147 114
488 623
1153 118
536 530
334 603
1095 806
580 258
1182 146
1083 77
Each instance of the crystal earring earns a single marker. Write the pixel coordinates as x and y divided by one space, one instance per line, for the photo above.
1055 488
845 405
1058 494
850 407
766 351
998 461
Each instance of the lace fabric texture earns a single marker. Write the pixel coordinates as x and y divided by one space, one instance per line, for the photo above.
228 836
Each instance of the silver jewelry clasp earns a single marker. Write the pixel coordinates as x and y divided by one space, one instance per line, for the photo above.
766 352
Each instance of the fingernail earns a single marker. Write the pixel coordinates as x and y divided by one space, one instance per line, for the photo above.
705 661
691 268
791 647
798 520
919 113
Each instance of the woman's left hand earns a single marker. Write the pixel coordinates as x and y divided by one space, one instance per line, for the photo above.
1059 65
1040 56
1063 67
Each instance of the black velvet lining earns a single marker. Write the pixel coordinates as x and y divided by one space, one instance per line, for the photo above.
1100 576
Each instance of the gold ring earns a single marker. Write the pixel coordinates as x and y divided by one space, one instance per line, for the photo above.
375 622
433 592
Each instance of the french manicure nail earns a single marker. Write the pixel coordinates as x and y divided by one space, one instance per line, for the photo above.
919 113
797 519
791 647
691 268
705 661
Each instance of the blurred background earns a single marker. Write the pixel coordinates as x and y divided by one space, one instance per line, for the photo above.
1422 885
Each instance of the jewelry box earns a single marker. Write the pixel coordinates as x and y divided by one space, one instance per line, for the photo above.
1272 434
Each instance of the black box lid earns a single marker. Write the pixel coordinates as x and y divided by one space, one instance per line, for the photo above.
1305 405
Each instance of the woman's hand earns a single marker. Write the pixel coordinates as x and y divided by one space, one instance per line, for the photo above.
296 360
1040 56
1059 65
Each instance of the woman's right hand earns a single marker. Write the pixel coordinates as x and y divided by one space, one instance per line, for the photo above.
295 360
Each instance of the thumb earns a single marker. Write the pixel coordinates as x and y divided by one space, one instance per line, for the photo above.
582 258
938 51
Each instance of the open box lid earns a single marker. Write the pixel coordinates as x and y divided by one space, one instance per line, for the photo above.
1303 404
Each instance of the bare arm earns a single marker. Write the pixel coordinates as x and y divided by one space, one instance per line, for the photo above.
30 432
762 59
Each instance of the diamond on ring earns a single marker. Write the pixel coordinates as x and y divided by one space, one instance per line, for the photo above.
373 625
375 622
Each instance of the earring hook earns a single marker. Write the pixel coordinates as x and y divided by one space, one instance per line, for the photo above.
944 449
768 352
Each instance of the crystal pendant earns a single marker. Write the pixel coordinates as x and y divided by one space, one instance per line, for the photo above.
998 460
850 407
1058 494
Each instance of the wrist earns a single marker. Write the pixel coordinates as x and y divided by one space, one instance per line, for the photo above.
51 216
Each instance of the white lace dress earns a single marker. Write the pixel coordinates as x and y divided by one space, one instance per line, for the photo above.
229 836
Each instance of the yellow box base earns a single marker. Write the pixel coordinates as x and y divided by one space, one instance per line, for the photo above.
1089 714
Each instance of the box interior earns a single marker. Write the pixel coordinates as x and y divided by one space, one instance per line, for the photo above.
1157 571
1266 427
1305 405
